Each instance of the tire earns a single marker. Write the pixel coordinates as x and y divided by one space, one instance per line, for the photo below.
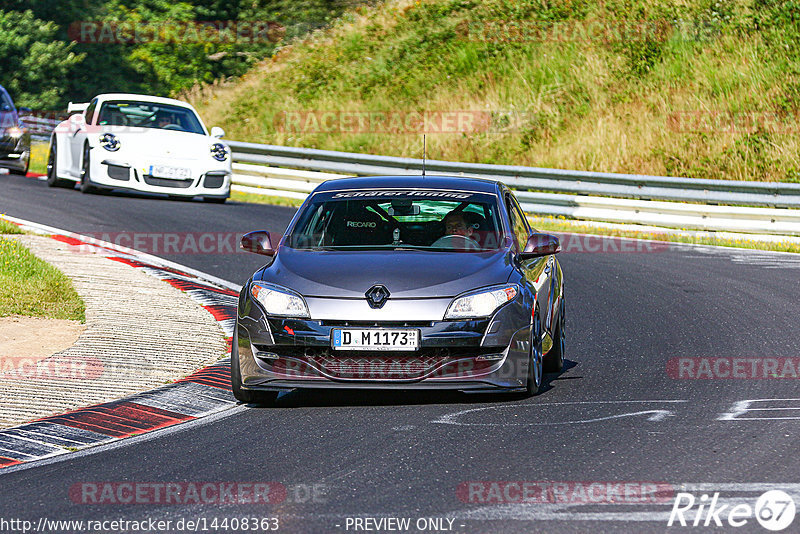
86 179
535 372
52 170
554 362
244 395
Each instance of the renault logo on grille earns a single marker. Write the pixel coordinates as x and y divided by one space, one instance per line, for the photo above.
377 296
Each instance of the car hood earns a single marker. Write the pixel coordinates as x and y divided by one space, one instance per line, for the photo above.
406 274
163 143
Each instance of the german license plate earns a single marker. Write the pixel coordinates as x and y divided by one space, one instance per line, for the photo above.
164 171
374 339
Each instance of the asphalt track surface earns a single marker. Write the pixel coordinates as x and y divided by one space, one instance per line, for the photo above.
614 415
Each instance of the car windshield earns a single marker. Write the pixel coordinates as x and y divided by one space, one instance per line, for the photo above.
149 115
432 220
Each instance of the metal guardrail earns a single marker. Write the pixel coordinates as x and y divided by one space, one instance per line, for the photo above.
40 127
531 178
626 198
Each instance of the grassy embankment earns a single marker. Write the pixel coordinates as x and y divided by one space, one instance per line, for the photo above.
641 86
699 89
32 287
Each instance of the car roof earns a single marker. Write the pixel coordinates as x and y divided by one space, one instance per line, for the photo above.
457 183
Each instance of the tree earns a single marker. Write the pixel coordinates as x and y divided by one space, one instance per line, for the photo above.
34 63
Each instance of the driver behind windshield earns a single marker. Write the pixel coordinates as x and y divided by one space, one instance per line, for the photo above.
454 224
165 119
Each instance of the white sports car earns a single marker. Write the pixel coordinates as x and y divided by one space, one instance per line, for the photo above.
139 143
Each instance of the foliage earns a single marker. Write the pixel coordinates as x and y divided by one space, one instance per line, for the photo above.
50 70
700 88
32 60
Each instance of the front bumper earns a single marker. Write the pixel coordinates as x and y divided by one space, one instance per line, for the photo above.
14 153
475 355
118 173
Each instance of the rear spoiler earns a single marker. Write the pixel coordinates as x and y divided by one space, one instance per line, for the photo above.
77 107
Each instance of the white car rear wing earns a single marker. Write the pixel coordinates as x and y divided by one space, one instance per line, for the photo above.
77 107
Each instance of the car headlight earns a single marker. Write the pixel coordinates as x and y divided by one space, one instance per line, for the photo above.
280 302
481 303
219 152
15 132
110 142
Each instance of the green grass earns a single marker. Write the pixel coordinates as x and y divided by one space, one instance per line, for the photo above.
609 101
9 228
32 287
39 153
238 196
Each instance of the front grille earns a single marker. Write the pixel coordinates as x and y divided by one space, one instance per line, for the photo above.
346 365
214 181
167 182
377 367
118 172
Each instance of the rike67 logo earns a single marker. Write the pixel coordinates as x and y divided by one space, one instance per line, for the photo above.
774 510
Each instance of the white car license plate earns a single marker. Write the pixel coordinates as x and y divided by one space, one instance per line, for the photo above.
164 171
374 339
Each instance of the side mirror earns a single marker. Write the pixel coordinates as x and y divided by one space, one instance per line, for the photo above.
257 242
217 132
540 245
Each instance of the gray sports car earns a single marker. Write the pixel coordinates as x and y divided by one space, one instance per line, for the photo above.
403 282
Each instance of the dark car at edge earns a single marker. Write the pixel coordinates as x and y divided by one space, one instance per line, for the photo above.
15 139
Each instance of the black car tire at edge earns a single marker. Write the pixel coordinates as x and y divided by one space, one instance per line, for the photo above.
244 395
554 361
535 371
52 172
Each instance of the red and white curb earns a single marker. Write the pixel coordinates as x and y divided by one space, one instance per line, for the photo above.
203 393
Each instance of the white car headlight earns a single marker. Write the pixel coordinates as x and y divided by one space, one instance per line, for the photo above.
110 142
15 132
280 302
219 152
480 304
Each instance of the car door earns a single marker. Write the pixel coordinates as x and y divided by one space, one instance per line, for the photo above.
536 270
77 138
